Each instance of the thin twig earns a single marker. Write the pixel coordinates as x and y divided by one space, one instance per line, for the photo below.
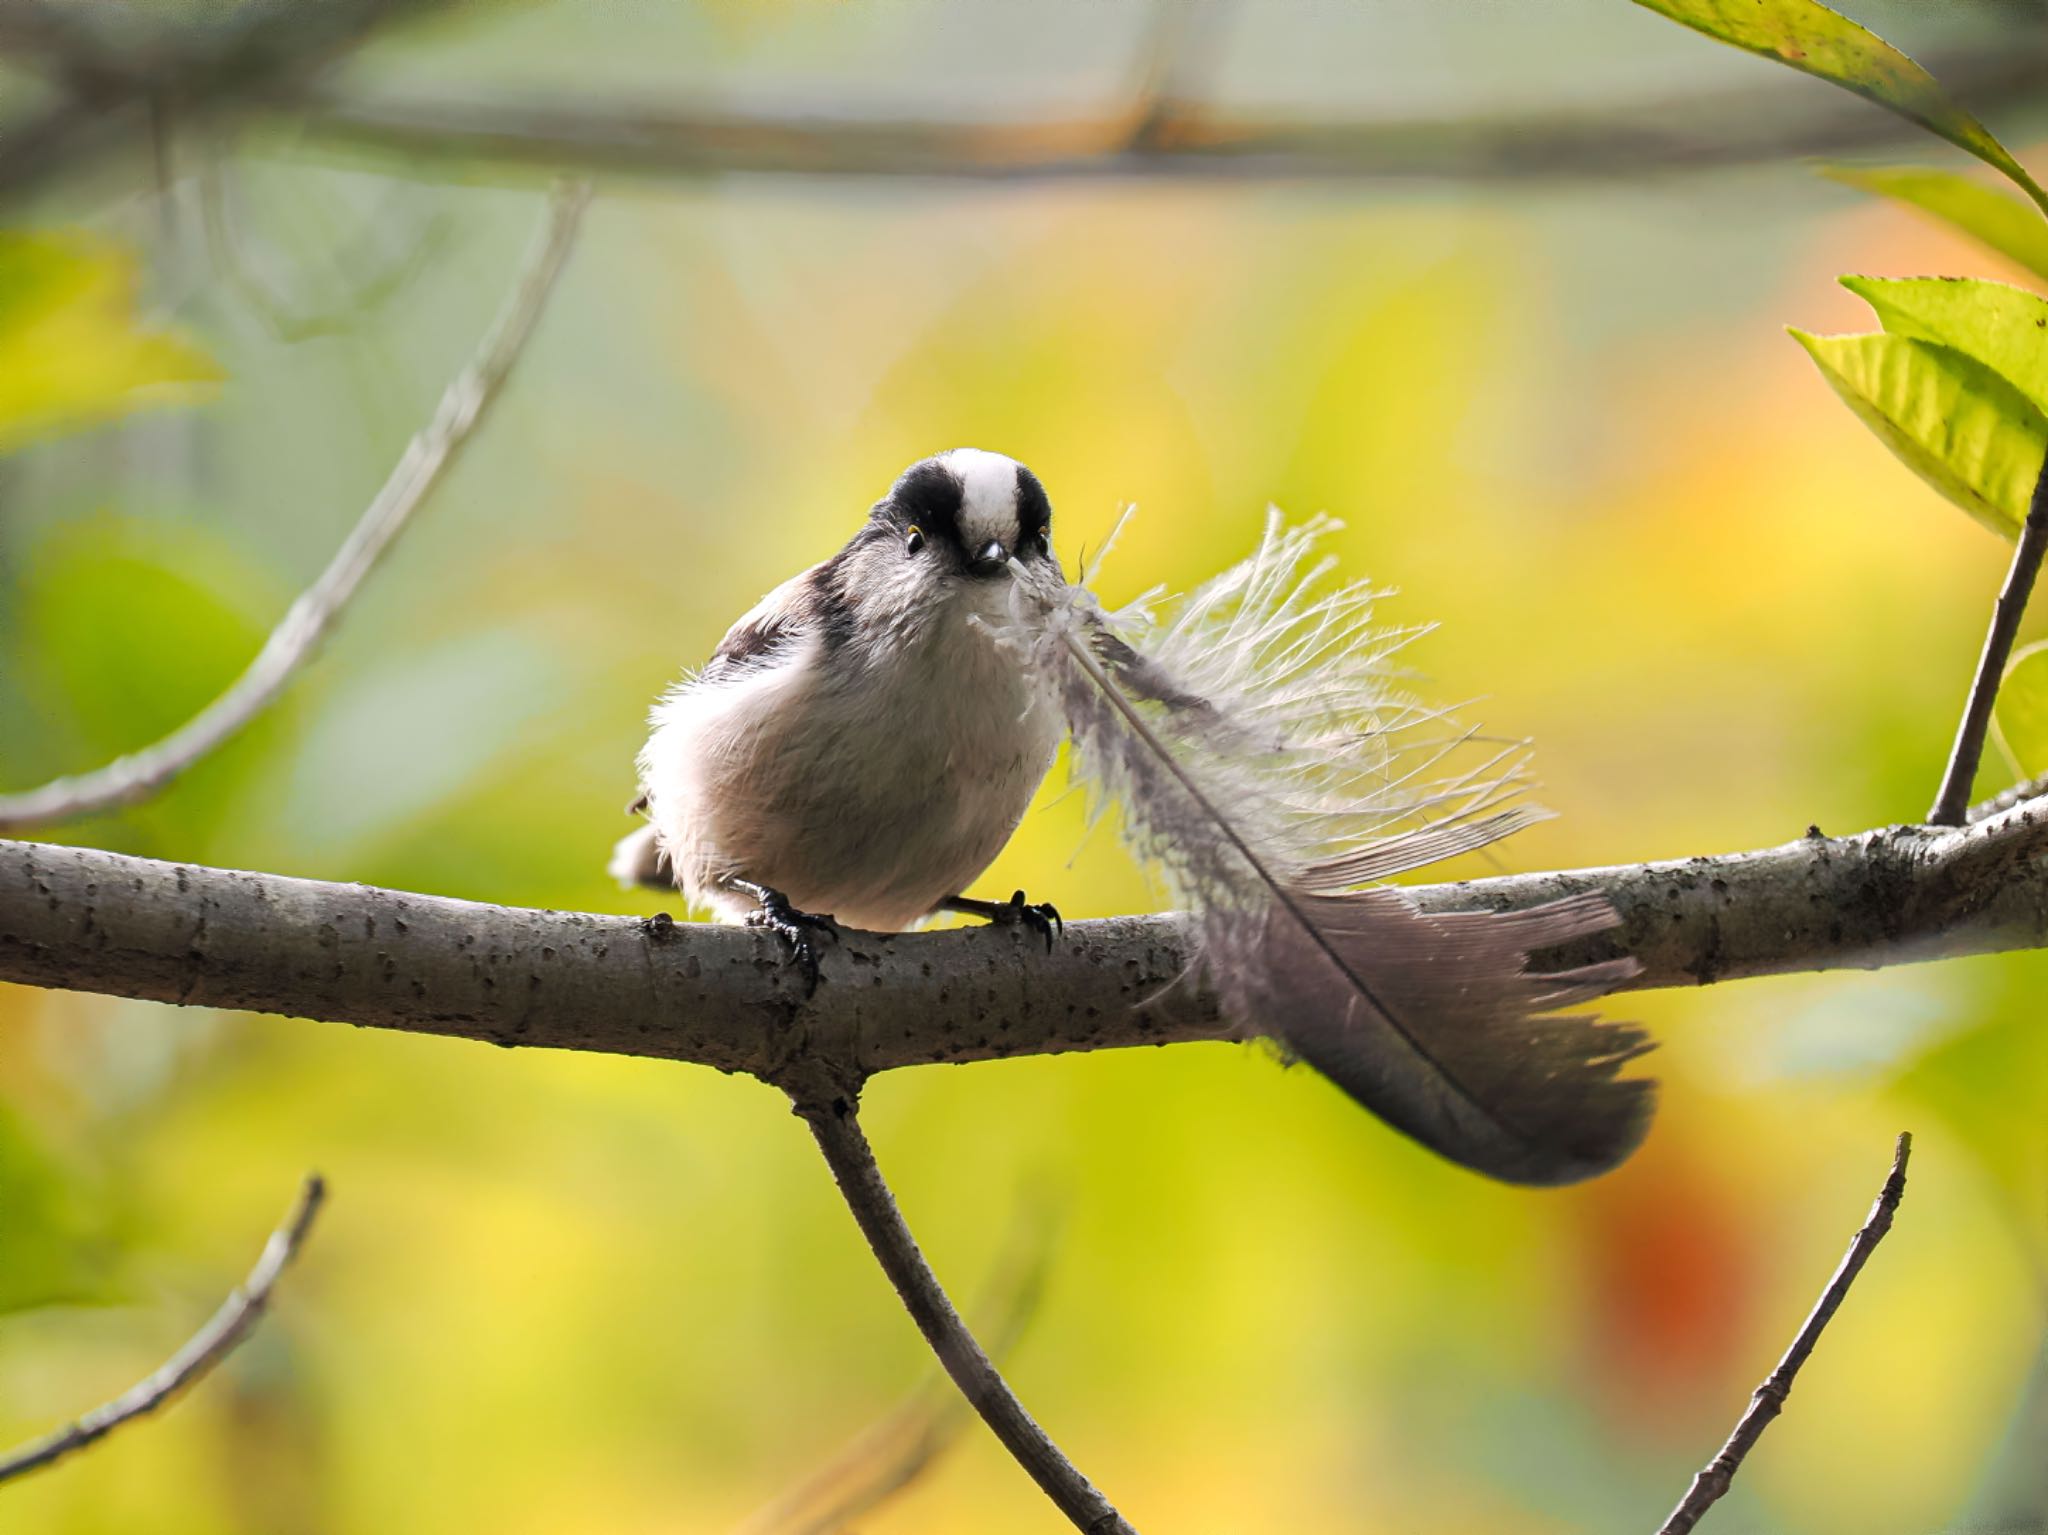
1951 805
228 1326
425 460
285 321
833 1121
894 1451
1713 1482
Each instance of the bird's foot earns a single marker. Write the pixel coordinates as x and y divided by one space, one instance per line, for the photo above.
1042 917
798 929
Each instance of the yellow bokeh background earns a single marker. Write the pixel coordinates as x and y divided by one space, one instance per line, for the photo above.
559 1292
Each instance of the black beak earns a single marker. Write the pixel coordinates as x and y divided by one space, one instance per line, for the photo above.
990 559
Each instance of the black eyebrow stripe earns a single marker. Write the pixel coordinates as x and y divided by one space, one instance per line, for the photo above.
929 494
1034 507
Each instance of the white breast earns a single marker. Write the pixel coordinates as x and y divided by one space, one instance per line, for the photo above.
869 792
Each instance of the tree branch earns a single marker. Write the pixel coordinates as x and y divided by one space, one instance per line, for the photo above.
87 920
1951 803
439 136
1713 1482
836 1126
228 1326
437 445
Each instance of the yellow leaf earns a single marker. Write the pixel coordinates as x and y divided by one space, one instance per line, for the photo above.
71 349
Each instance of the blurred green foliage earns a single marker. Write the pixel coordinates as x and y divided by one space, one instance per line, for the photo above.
571 1293
2020 716
2009 226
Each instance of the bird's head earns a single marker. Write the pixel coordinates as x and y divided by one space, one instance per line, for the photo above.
966 517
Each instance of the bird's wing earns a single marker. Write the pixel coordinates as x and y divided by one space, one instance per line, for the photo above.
785 615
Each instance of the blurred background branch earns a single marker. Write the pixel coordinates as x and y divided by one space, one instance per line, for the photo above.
124 77
227 1327
1162 137
298 634
284 318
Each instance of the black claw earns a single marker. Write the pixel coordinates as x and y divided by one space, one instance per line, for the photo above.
798 929
1042 917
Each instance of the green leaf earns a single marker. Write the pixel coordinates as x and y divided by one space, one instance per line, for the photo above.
2003 327
71 349
2019 719
1955 422
1811 38
1987 214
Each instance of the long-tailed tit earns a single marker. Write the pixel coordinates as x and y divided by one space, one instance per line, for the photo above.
859 744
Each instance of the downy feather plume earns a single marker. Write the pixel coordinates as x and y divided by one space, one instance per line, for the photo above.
1248 739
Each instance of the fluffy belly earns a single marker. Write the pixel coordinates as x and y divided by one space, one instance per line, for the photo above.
871 803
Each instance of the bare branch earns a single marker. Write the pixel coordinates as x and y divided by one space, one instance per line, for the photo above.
893 1452
1952 802
87 920
228 1326
439 136
833 1121
1713 1482
425 460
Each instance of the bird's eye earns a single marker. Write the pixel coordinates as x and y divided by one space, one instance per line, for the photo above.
913 540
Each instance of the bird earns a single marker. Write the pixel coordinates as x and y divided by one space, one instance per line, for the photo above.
859 747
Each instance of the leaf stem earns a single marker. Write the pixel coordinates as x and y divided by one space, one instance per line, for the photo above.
1952 804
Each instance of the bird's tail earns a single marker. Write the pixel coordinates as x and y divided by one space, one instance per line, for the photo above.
637 860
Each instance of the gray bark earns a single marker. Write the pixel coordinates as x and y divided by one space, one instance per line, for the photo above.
88 920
